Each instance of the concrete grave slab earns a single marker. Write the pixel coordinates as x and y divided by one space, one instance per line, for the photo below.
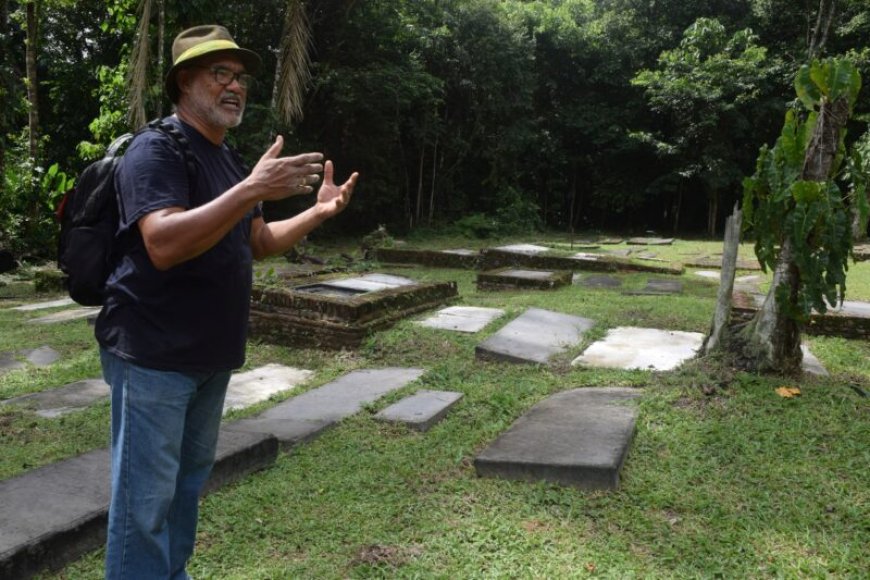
421 410
650 241
372 282
305 416
624 253
641 348
462 318
66 315
710 275
251 387
40 357
461 252
658 287
599 281
530 249
57 402
52 515
577 438
44 305
534 337
611 241
518 278
588 256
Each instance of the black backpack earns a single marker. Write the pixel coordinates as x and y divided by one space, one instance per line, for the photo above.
89 216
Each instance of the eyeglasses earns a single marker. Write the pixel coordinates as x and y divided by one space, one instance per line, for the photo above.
225 77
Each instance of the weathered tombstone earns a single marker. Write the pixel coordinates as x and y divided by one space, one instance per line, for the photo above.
462 318
420 411
519 279
642 349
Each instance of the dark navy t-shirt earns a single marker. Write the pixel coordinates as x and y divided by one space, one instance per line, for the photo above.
193 316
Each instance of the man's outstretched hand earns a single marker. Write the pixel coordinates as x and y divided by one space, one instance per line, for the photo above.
332 198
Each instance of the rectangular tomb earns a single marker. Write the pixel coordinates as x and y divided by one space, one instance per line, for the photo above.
340 312
518 279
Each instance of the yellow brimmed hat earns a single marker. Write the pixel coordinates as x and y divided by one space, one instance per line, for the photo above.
199 41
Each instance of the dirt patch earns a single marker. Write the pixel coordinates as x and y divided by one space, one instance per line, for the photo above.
380 555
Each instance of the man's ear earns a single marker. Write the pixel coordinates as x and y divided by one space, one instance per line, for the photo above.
183 80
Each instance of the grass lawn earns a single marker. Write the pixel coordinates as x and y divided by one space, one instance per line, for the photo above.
725 478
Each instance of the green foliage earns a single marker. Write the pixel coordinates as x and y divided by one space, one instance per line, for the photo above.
812 216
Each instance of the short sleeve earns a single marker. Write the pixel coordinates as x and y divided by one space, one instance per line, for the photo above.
152 175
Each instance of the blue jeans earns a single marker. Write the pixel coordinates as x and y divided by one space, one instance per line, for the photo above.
164 432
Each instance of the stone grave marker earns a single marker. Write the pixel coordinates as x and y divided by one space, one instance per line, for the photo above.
462 318
251 387
529 249
599 281
641 348
517 278
642 241
44 305
60 401
534 337
66 315
577 438
40 357
657 287
420 411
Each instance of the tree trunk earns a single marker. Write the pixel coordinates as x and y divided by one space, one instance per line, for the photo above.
859 226
677 207
32 81
712 213
820 32
161 31
432 184
774 335
730 249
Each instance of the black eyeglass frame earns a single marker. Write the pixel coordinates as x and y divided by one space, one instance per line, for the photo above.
244 79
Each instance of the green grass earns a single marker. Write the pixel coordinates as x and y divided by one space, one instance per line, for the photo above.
736 483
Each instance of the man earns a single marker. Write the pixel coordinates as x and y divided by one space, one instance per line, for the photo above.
173 324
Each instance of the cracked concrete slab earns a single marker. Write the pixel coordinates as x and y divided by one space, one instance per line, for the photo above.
420 411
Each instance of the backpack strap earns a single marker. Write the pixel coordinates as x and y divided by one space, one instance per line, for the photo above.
181 141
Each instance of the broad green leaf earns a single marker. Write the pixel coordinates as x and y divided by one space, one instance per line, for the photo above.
807 191
844 80
807 91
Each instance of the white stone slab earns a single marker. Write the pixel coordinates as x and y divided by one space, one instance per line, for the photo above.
371 282
530 249
641 348
527 274
586 256
60 401
462 318
248 388
461 252
67 315
388 279
45 305
707 274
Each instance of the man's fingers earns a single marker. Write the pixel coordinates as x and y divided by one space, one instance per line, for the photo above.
275 149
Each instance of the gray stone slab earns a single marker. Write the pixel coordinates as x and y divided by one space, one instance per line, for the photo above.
657 286
462 318
709 274
303 417
44 305
599 281
62 400
528 274
641 348
650 241
421 410
251 387
578 438
41 356
52 515
530 249
66 315
534 337
461 252
588 256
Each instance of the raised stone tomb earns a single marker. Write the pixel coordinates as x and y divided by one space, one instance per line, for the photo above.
534 337
340 312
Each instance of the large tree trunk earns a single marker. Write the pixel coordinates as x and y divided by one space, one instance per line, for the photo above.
774 335
859 226
32 80
721 317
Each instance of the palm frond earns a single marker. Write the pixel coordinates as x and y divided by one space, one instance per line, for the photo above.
293 69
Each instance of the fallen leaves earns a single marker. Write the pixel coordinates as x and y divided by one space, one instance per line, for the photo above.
788 392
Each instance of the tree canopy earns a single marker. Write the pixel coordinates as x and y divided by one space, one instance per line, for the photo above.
485 115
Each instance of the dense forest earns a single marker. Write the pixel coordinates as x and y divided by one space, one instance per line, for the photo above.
488 116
